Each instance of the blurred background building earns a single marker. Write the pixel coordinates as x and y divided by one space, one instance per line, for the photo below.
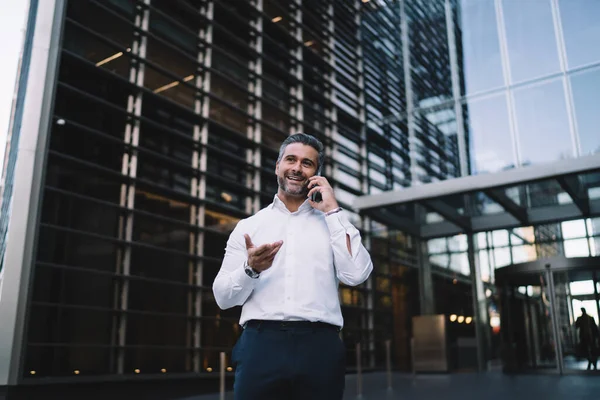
143 131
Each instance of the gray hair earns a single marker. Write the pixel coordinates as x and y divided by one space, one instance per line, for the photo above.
306 140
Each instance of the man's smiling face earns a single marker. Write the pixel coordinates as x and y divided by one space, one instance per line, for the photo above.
298 163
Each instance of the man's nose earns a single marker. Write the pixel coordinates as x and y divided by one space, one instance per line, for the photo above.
297 167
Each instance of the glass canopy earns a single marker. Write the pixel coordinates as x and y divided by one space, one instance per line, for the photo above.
561 191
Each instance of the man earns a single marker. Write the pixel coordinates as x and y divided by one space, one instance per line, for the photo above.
588 334
283 265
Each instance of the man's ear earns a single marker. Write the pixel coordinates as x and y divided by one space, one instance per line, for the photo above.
277 168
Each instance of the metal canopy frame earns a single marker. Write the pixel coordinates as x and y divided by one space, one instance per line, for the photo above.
525 196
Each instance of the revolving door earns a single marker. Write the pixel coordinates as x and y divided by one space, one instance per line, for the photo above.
549 315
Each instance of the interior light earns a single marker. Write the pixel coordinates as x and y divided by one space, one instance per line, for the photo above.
468 320
163 370
365 1
453 317
109 59
494 321
76 372
461 319
226 196
209 369
229 369
137 371
488 293
277 19
32 372
309 43
173 84
60 121
455 281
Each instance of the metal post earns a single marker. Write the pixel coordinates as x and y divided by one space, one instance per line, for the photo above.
412 357
222 376
554 315
388 361
358 371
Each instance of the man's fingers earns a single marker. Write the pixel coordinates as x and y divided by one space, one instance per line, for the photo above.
249 243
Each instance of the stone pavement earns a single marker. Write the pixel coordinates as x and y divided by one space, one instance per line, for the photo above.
466 386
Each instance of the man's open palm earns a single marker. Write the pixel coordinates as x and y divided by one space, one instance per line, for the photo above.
261 258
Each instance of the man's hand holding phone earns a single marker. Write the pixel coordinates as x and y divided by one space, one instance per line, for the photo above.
319 185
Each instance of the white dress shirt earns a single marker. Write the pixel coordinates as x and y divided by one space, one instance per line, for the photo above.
302 283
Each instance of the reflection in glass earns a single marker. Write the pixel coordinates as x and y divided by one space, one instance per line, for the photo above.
432 83
581 30
490 143
586 97
529 40
543 126
480 46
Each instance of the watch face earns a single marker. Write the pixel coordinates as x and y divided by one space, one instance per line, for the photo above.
251 273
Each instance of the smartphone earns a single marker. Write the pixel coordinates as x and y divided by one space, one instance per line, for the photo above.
316 196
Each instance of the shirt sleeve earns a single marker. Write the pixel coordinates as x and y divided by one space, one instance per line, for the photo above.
232 286
352 269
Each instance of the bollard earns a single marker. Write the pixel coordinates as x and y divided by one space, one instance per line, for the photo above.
358 371
388 362
412 357
222 377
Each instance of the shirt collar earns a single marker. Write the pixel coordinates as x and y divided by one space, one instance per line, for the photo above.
279 205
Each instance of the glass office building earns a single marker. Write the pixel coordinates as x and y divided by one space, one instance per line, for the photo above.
145 129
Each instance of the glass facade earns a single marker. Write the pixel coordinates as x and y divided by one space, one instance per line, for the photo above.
167 120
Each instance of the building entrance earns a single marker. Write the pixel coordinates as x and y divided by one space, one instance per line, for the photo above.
549 315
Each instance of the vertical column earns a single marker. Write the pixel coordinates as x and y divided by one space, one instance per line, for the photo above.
254 156
596 295
426 298
30 132
562 56
331 112
554 314
200 160
480 311
456 94
297 90
410 105
368 322
129 169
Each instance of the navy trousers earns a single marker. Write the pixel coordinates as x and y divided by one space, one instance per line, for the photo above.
278 360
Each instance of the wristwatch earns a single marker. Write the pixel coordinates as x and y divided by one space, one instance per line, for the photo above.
251 272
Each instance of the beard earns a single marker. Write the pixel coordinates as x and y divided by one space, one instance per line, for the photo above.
292 190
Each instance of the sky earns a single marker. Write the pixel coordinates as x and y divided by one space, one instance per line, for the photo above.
13 19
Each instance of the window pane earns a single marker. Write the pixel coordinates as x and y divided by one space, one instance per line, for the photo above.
489 135
577 248
480 46
542 119
581 30
586 96
530 36
573 229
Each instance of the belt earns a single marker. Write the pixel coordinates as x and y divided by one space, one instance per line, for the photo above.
283 325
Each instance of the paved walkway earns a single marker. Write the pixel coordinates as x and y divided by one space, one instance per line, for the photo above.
467 386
